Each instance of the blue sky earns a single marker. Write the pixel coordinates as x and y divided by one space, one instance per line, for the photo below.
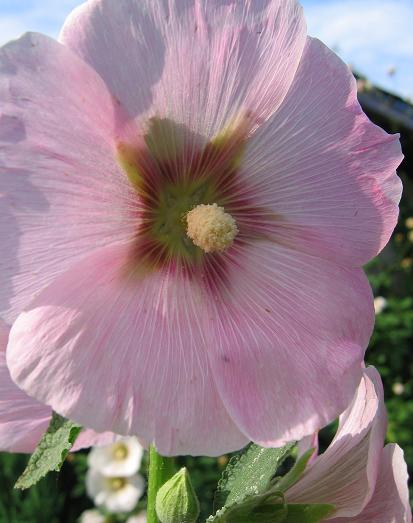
372 35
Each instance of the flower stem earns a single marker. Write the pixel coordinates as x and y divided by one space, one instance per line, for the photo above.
160 470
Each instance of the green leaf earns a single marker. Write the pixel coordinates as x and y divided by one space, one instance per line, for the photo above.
249 473
268 509
50 452
250 494
262 508
295 473
308 513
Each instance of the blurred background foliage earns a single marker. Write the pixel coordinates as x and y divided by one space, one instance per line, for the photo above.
61 498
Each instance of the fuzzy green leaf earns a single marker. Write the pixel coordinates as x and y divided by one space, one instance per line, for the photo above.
50 452
262 508
249 473
270 508
249 493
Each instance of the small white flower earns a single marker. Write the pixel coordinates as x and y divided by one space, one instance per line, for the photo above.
398 388
139 518
380 304
92 516
120 459
115 494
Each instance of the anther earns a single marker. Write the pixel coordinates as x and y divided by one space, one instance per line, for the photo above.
211 228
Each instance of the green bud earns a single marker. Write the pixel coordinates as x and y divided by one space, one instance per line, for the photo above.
176 501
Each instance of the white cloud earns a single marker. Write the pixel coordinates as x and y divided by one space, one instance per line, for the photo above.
371 34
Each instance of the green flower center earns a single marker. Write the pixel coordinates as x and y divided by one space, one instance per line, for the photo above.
173 174
116 484
169 226
120 451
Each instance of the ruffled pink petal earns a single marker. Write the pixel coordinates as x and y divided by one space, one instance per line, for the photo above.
390 501
23 420
124 353
288 336
202 64
4 335
345 475
89 438
327 172
62 193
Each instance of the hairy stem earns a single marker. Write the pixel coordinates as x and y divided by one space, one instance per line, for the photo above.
160 470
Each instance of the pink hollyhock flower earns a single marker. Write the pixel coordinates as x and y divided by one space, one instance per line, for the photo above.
364 481
23 420
189 190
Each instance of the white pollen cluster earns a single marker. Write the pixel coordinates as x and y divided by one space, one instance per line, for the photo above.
211 228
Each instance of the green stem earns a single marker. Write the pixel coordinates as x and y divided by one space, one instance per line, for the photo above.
160 470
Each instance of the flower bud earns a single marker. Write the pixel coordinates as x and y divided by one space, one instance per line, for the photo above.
176 501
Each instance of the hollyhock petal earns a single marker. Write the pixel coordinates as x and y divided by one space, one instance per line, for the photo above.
201 65
89 438
23 420
345 475
325 170
129 350
390 501
4 335
292 330
60 185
